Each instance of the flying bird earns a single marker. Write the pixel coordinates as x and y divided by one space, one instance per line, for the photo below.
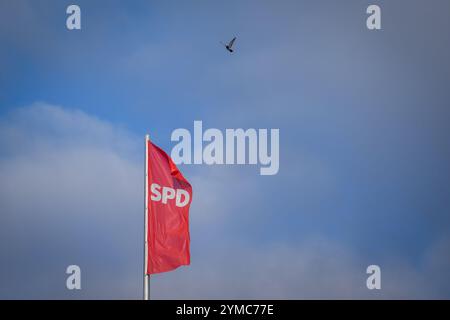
230 45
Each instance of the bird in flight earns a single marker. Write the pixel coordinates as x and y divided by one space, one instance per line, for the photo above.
230 45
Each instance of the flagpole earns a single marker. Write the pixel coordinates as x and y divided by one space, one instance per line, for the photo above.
146 276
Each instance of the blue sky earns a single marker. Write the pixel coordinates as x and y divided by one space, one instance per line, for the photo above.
364 150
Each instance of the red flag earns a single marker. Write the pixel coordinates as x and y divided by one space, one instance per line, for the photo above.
169 198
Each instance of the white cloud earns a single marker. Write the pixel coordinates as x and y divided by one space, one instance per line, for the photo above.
316 269
70 190
71 193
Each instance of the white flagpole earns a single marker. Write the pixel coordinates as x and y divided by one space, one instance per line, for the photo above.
146 276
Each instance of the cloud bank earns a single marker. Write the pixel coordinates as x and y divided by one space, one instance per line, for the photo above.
71 193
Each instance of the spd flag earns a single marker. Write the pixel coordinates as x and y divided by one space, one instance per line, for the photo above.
169 197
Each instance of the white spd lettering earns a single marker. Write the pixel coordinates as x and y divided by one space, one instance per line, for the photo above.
164 194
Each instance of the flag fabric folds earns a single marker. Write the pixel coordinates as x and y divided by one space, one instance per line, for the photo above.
169 198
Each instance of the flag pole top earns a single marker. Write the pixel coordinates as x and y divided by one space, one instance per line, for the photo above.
147 137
